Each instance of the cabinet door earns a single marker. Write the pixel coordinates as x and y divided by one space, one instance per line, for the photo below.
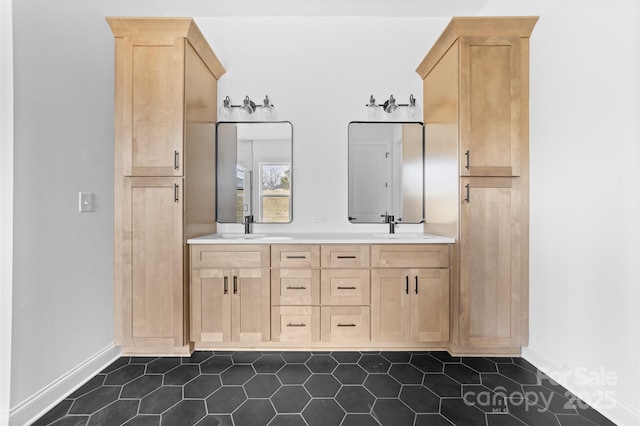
152 292
150 105
490 106
210 305
250 305
390 305
430 305
489 263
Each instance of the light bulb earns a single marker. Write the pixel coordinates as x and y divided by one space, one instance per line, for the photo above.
413 110
247 108
267 111
225 110
390 107
373 110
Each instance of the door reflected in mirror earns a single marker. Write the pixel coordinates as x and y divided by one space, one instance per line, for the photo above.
386 172
254 173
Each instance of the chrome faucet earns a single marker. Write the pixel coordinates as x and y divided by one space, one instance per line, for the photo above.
390 219
248 220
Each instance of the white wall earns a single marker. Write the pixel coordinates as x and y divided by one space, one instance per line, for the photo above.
6 204
320 72
62 259
585 194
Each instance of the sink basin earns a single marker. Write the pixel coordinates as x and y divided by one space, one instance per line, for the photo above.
398 236
244 236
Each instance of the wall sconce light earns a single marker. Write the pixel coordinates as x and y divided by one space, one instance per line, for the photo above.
246 111
392 108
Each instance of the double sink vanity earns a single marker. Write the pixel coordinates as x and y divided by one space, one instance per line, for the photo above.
459 284
319 291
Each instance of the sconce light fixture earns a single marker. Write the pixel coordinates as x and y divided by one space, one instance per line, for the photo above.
392 108
248 110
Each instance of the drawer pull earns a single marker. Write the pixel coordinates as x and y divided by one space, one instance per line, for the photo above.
296 288
406 284
226 285
416 284
296 257
346 288
297 325
346 257
235 285
346 325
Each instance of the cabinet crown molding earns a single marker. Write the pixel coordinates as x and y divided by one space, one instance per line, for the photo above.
176 27
511 26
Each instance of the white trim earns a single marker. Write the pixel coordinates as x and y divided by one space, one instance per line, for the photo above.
44 400
581 383
6 205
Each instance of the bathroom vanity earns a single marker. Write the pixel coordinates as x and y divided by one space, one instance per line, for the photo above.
327 291
461 286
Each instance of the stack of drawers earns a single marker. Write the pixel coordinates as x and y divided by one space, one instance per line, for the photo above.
320 293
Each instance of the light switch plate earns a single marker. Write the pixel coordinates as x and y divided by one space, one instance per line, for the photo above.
85 200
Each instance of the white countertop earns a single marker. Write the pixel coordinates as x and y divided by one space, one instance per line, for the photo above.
321 238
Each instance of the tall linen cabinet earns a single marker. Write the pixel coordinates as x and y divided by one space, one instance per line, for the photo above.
164 175
476 115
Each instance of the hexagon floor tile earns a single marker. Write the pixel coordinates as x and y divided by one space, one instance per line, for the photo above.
340 388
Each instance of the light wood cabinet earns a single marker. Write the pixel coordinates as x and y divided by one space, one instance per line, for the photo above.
152 263
476 94
164 174
410 305
230 303
345 293
490 288
295 293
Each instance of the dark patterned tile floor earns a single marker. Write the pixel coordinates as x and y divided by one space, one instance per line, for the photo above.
256 388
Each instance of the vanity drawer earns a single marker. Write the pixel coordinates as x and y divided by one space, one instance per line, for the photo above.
295 256
295 323
345 256
295 287
205 256
345 286
410 256
345 324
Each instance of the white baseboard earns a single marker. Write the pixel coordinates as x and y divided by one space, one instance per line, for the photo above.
34 407
597 388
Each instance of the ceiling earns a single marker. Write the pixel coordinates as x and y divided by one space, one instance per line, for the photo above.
399 8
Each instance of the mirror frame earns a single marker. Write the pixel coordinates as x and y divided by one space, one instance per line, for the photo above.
423 172
290 168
